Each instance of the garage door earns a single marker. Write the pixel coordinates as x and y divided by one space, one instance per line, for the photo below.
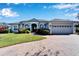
62 29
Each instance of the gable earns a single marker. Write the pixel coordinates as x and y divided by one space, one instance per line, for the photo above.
33 20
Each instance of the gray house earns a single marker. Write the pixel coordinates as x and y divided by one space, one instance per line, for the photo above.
56 26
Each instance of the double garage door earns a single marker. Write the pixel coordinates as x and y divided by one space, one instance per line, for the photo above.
62 29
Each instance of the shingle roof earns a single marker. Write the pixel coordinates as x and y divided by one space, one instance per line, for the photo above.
35 20
13 23
60 20
2 23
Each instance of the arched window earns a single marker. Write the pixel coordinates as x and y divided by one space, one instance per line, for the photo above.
26 25
46 25
41 25
22 25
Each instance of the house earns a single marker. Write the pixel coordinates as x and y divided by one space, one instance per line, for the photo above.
3 27
13 26
56 26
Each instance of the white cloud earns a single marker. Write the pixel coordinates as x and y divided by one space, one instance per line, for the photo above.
16 3
64 6
76 8
72 14
7 12
8 4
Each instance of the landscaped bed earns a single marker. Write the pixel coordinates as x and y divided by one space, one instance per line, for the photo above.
12 39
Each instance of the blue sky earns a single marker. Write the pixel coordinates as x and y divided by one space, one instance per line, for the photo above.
15 12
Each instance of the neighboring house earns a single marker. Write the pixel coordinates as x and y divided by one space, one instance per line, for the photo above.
56 26
3 27
13 27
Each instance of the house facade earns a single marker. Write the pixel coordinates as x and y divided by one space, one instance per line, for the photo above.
56 26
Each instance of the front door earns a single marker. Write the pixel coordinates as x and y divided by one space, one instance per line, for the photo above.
34 27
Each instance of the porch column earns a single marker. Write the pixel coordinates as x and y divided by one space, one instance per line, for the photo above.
74 29
30 27
37 26
50 28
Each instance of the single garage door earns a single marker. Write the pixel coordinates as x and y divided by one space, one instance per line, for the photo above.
62 29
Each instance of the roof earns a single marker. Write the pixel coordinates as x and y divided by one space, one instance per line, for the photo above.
60 20
2 23
42 20
35 20
76 21
13 23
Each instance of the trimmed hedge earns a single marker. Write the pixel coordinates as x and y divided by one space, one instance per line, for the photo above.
24 31
4 31
42 31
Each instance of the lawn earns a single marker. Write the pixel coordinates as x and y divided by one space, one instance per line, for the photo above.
12 39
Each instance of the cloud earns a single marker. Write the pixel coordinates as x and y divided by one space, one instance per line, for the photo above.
76 9
7 12
64 6
71 15
12 3
16 3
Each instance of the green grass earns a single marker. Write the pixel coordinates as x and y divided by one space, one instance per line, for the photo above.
12 39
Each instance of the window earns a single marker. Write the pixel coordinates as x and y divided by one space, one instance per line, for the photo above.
23 25
26 25
41 25
46 25
15 28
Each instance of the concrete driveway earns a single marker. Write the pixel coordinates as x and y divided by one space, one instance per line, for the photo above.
54 45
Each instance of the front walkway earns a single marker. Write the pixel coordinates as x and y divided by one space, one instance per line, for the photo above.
67 45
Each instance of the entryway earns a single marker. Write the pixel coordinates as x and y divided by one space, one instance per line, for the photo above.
34 27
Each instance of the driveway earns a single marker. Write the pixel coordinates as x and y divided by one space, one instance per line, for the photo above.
54 45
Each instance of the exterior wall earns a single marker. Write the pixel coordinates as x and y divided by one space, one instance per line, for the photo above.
14 28
24 25
47 25
39 25
44 25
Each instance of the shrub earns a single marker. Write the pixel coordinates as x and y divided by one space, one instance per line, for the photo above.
10 30
3 29
77 25
27 31
77 30
42 31
24 30
6 31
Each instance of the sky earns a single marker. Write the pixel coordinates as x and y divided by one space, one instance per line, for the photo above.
15 12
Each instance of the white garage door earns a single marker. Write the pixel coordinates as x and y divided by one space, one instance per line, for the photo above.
62 29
